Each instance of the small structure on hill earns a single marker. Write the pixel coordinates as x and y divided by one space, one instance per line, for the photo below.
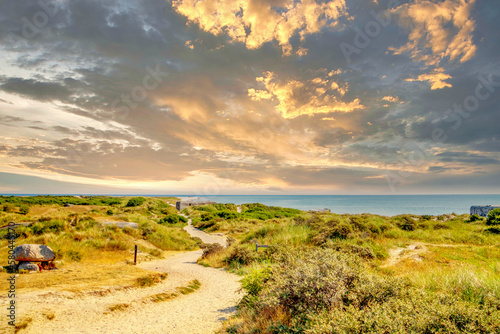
482 210
33 257
192 201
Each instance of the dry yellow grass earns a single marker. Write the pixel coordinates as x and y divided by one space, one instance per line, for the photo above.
79 277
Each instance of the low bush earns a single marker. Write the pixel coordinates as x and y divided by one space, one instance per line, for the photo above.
493 230
362 252
24 209
54 226
309 281
210 249
323 291
172 219
241 256
406 223
474 218
135 201
493 217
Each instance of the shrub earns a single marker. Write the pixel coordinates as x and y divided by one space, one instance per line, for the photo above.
441 226
493 230
135 201
54 226
493 217
474 218
210 249
109 212
414 312
9 207
253 283
227 214
241 256
363 252
169 219
312 281
406 223
341 231
24 209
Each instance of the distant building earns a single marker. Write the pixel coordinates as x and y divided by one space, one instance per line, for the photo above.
482 210
192 201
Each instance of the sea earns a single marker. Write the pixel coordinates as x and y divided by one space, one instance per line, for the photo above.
385 205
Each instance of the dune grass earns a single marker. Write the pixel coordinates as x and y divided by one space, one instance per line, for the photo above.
91 255
447 269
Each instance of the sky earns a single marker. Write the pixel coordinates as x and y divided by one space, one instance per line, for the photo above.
250 97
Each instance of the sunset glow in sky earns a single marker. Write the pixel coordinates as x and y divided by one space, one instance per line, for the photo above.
250 96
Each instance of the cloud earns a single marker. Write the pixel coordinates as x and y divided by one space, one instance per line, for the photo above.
438 30
294 98
255 22
301 125
391 99
437 79
43 91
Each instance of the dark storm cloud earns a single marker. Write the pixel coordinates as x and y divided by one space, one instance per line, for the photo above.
466 157
43 91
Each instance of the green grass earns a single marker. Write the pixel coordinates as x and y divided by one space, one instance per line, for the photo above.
454 275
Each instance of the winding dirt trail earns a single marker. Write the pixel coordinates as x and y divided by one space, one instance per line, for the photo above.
200 312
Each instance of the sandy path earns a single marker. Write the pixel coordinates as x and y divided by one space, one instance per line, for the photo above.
205 237
200 312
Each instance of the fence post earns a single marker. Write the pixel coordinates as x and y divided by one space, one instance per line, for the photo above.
256 247
135 255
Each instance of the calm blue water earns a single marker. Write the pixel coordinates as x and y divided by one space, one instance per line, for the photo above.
387 205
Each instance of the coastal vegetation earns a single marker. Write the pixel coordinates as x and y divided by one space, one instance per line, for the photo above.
88 244
320 272
331 273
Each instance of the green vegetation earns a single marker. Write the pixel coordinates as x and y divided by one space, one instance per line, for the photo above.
329 273
493 217
173 219
136 201
213 216
60 200
79 238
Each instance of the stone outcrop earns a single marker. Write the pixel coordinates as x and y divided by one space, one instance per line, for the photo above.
482 210
28 266
33 253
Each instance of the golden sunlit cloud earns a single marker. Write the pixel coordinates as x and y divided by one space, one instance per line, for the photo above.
436 79
255 22
391 99
444 28
295 98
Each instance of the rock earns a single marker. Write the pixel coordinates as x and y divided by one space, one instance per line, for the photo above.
28 266
33 253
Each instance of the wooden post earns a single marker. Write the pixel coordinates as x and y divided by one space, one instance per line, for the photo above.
135 255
